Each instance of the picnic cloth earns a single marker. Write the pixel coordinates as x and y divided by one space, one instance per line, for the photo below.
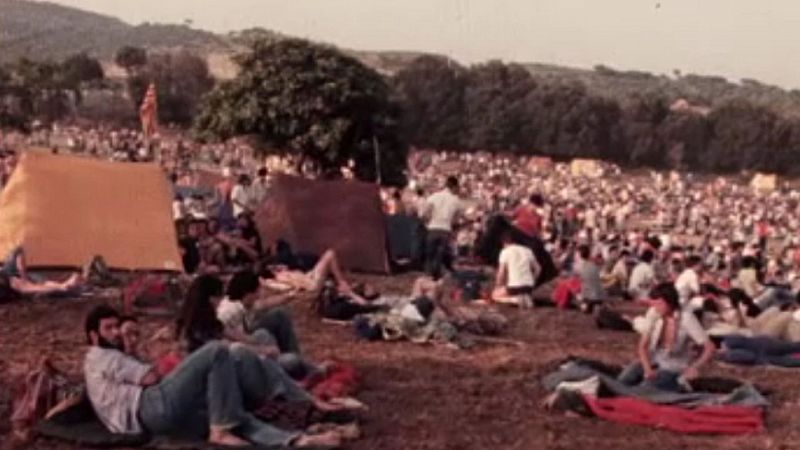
577 371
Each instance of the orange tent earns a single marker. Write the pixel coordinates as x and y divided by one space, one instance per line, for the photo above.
66 209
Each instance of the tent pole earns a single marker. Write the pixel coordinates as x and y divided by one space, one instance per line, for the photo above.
377 149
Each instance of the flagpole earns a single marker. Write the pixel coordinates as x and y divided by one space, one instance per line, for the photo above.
377 149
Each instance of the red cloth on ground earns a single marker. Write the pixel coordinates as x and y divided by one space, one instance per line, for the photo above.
167 363
341 380
706 419
566 288
145 286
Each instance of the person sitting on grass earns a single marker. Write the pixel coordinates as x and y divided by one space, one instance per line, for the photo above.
517 273
199 324
665 355
592 293
261 322
202 393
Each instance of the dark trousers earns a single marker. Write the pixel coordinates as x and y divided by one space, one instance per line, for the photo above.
437 251
760 350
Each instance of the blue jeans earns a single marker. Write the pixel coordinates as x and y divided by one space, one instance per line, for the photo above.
664 380
10 263
278 323
262 379
274 327
774 296
204 391
759 350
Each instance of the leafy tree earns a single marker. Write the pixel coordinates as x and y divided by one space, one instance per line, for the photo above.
431 90
742 137
313 101
81 68
131 58
497 108
39 90
78 70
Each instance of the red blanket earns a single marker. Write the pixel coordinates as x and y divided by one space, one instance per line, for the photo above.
566 288
341 380
706 419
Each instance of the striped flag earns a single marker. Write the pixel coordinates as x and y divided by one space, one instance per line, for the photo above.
148 113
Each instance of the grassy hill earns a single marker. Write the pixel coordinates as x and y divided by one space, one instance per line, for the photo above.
45 30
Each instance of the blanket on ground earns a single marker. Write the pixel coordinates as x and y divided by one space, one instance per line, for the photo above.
577 372
705 419
79 425
590 389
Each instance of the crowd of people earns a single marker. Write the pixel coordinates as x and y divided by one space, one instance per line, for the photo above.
714 265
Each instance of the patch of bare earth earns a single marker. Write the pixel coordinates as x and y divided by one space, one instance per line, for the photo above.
433 397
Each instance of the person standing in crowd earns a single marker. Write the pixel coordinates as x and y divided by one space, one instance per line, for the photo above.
222 198
527 217
442 210
240 196
259 188
642 277
688 282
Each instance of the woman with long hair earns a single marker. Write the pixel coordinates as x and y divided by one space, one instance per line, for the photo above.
261 377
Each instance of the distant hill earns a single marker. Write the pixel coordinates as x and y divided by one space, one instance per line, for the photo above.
45 30
697 89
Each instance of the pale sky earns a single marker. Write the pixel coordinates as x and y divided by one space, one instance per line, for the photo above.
732 38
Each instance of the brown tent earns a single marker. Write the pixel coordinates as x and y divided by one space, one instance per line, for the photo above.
313 216
65 209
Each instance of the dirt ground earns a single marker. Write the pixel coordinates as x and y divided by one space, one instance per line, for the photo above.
429 397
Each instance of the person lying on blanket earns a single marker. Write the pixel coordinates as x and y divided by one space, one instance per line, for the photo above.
327 266
22 282
203 393
664 351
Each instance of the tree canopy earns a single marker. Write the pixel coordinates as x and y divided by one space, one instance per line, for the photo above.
311 100
503 107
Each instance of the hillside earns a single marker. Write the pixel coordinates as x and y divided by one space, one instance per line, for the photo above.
46 30
698 89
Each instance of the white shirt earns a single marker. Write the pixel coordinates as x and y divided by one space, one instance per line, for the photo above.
441 209
177 210
112 384
641 280
240 195
258 191
518 261
232 314
689 328
687 285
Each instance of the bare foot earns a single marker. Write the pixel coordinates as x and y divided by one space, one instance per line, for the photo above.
225 438
348 432
348 403
324 406
73 280
328 439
